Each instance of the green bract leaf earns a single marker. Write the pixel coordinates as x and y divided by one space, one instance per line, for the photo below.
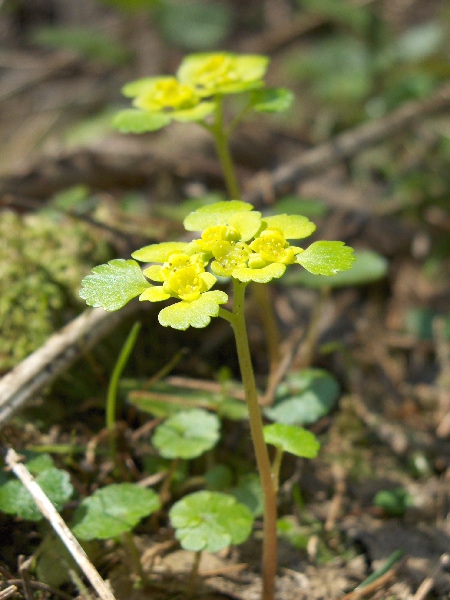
271 99
326 258
304 397
293 227
210 521
112 285
132 120
289 438
368 266
234 213
193 314
113 510
16 500
158 253
223 73
263 275
187 434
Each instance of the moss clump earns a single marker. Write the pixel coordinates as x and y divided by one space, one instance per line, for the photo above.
43 257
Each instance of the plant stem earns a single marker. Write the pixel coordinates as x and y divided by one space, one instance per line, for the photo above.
111 400
194 574
221 140
269 558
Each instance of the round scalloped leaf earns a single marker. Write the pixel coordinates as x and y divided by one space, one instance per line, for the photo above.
113 510
249 492
263 275
15 499
369 266
158 253
292 439
271 100
193 314
326 258
112 285
187 434
304 397
132 120
210 521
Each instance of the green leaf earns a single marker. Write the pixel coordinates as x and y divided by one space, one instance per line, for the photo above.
326 258
196 314
271 100
194 25
113 510
234 213
293 227
158 253
187 434
112 285
304 397
16 500
289 438
132 120
263 275
210 521
249 492
369 266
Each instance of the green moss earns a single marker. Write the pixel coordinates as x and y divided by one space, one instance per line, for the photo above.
42 260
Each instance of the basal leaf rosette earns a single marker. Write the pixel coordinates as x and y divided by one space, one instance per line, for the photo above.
271 251
157 102
223 73
183 277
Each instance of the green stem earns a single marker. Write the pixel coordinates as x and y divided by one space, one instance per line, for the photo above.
269 558
111 399
223 151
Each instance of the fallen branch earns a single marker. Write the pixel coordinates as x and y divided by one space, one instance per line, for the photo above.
344 146
62 349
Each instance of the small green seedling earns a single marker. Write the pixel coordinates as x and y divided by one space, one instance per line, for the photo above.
235 241
113 510
304 397
15 499
209 521
187 434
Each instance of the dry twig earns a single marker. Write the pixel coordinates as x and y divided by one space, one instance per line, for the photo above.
55 356
348 144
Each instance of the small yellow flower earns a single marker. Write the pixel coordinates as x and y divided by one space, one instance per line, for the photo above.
223 73
272 246
166 94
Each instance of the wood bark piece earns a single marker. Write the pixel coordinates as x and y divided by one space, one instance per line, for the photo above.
42 366
52 515
344 146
